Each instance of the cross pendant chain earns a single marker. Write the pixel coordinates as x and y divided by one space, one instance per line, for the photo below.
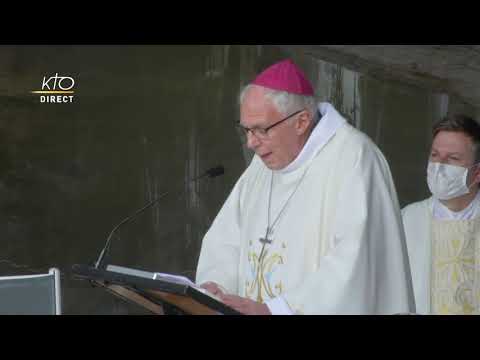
267 239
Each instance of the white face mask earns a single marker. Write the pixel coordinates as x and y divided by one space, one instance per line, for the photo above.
447 181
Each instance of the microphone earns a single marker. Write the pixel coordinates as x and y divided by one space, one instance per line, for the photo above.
212 172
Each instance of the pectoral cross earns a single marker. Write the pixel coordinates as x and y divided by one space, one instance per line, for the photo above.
266 240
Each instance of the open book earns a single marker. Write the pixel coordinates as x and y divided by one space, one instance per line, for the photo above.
177 279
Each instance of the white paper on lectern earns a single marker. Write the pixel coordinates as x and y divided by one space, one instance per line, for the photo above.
174 278
177 279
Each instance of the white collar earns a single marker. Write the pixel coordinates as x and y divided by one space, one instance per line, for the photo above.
325 129
441 212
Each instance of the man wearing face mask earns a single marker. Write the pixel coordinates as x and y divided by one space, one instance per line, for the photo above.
443 232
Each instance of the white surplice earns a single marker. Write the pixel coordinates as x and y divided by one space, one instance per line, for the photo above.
338 246
444 258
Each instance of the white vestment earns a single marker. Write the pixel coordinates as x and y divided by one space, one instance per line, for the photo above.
337 248
444 258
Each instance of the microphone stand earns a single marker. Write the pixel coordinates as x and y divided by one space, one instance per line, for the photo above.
213 172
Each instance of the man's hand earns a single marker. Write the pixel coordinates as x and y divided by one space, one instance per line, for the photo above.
245 306
212 288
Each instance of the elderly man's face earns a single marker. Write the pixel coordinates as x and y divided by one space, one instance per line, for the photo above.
282 144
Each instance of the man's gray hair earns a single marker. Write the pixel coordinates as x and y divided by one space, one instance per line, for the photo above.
287 103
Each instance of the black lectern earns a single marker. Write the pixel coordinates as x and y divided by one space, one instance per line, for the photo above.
152 294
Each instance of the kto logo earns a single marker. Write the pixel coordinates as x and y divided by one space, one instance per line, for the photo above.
56 89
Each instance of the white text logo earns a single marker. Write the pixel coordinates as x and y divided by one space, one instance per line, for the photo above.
56 89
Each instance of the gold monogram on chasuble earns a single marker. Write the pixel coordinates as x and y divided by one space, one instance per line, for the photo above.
261 285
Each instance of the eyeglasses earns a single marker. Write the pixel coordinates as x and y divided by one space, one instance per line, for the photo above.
262 133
